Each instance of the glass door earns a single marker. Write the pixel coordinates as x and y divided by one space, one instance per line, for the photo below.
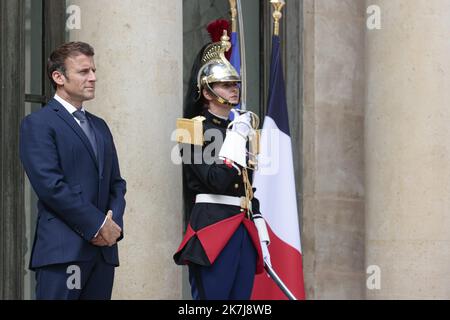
44 30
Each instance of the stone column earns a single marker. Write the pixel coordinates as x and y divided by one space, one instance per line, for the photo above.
407 134
139 48
333 149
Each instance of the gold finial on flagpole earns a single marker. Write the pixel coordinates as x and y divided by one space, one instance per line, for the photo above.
277 15
234 13
226 40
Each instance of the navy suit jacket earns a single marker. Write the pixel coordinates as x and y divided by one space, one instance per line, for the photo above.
75 189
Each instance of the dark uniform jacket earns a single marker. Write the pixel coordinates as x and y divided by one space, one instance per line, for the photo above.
212 225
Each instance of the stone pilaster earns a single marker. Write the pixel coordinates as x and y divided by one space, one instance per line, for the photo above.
408 149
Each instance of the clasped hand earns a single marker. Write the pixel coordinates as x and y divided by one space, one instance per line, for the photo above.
108 234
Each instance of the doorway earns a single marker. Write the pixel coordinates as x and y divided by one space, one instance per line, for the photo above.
30 30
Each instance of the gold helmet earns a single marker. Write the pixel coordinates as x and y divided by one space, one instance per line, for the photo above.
216 68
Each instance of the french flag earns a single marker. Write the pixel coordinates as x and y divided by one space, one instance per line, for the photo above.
275 184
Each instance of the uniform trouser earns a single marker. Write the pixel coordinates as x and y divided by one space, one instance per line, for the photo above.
231 275
92 280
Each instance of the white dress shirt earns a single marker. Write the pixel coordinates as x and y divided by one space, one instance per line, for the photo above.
70 108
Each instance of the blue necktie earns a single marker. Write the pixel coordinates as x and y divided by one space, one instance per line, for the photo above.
87 129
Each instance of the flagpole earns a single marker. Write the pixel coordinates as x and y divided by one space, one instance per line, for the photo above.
233 12
243 59
277 15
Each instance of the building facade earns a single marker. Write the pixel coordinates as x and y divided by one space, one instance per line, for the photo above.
366 87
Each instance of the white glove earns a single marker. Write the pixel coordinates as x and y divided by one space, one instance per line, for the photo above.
262 228
234 148
263 237
235 145
242 124
265 253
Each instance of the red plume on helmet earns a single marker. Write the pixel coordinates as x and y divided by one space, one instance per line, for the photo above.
215 30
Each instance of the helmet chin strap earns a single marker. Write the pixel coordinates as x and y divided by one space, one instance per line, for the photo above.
219 98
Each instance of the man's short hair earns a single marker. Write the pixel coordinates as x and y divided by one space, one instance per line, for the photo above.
56 61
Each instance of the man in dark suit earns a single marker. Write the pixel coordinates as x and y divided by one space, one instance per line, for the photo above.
71 161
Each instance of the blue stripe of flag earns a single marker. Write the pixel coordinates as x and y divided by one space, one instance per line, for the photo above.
277 105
